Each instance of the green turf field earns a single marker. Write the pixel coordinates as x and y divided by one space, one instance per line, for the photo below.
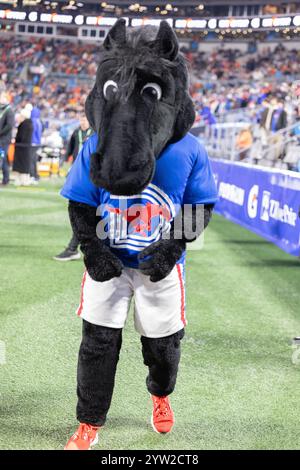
237 387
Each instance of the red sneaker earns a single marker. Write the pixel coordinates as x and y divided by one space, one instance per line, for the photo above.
162 418
84 438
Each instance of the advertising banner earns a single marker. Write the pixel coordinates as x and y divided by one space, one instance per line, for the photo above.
265 201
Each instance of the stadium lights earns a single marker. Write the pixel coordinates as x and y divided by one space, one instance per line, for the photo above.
45 17
55 18
197 24
16 15
102 20
180 23
224 23
70 6
228 24
91 20
281 21
67 19
30 3
267 22
106 21
148 21
234 23
239 23
134 7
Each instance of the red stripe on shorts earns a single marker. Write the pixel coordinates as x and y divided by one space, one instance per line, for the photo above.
79 310
182 294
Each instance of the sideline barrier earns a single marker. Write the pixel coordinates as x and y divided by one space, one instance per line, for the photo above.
265 201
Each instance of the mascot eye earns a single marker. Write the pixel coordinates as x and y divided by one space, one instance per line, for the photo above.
153 90
110 88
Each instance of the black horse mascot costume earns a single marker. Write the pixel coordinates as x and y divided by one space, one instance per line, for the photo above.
134 194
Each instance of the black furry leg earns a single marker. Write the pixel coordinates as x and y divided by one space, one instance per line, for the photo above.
97 364
162 356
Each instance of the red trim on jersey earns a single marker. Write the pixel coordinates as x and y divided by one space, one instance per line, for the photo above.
182 306
79 310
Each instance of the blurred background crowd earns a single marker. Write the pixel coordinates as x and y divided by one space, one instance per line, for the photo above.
247 100
58 75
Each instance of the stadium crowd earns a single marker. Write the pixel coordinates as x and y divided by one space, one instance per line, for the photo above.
56 75
25 67
45 70
228 79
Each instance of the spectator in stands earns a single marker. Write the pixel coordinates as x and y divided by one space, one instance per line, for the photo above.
22 157
274 118
228 78
244 141
7 121
36 141
207 115
79 136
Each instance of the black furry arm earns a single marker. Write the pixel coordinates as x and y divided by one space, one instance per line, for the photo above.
164 254
100 262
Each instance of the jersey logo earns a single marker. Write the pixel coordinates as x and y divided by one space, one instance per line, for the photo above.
136 221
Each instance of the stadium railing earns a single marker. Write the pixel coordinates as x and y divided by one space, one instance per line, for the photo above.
280 149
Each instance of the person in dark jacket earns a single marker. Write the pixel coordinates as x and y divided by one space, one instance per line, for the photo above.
22 157
274 117
36 140
7 121
79 136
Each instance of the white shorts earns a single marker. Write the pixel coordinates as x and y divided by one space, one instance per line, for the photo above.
159 307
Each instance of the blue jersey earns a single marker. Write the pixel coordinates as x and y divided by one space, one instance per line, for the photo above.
182 176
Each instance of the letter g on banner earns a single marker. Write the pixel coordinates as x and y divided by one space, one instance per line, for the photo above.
253 201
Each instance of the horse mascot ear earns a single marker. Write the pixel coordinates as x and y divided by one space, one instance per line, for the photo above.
116 37
166 45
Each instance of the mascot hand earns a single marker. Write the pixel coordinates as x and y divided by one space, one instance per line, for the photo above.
103 266
158 259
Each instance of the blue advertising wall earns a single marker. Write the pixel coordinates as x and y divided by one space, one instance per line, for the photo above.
265 201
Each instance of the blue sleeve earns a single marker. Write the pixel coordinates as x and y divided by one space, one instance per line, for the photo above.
201 187
78 186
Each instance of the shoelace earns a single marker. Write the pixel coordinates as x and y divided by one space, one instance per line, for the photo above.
84 431
161 407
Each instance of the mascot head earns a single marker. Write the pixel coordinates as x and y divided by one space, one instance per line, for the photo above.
139 104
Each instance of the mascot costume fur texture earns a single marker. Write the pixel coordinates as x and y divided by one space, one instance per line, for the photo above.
131 181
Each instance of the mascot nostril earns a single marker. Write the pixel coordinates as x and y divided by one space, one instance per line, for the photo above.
140 189
140 97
